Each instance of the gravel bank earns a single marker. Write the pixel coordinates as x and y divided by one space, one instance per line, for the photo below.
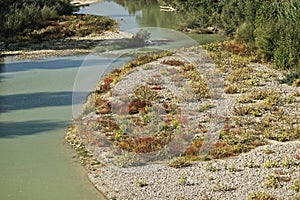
273 168
64 47
233 178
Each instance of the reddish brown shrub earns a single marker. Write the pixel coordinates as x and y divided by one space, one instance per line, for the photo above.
173 62
142 144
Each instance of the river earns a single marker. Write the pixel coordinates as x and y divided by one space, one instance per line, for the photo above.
36 107
133 14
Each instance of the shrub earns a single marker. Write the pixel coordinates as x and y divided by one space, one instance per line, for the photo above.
21 17
173 62
277 32
296 186
245 32
48 13
260 196
273 181
180 162
291 77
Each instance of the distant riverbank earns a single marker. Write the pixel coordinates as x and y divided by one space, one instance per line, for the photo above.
63 35
84 2
64 47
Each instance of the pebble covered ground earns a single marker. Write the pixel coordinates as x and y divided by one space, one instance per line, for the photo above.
232 178
269 171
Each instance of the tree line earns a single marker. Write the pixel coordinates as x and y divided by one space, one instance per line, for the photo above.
270 27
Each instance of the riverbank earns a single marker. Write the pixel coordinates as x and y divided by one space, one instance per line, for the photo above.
65 35
255 154
67 46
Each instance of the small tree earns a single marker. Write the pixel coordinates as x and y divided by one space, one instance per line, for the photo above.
48 13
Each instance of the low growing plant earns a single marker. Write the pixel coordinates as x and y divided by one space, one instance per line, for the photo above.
211 168
271 164
296 186
273 181
180 162
260 196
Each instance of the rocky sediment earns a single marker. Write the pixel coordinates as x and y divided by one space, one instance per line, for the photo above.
270 170
64 47
233 178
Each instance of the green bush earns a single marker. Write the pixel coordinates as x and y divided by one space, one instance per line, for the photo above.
277 32
285 55
271 27
245 32
291 76
23 16
232 16
21 19
48 13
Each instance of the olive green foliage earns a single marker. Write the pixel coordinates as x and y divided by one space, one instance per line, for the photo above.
270 27
135 5
296 186
180 162
23 16
291 77
277 32
273 181
260 196
201 14
259 112
151 14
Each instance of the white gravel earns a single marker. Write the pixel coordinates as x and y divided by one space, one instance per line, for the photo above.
231 178
236 178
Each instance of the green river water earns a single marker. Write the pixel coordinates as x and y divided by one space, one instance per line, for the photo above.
35 105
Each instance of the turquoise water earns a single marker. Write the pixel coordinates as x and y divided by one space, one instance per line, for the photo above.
35 106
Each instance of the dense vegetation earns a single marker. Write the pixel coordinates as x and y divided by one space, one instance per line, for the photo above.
21 17
29 21
270 27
